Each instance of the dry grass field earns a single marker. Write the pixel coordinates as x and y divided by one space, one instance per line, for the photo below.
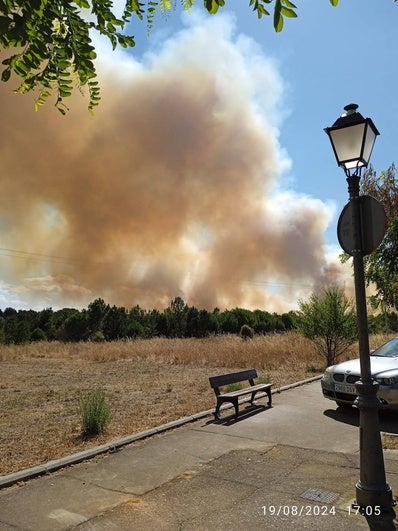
146 383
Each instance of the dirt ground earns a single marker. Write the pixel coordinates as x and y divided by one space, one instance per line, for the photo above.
40 418
146 384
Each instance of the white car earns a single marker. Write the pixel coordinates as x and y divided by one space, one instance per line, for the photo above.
338 382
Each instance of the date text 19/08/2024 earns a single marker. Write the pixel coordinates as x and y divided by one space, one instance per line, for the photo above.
316 510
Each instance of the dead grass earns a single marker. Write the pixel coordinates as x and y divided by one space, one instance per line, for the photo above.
389 441
146 382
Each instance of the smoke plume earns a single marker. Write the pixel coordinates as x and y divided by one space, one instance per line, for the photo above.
171 189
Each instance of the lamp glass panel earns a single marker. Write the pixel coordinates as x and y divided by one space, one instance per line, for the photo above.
347 143
353 164
369 143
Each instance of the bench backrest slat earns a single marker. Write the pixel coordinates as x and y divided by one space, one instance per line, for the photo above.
233 377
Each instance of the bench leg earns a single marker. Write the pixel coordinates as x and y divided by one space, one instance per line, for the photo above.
236 405
268 391
217 411
269 397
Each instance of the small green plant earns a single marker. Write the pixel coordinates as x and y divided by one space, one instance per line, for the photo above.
233 387
95 413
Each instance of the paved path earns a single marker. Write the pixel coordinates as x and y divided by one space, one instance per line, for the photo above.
295 464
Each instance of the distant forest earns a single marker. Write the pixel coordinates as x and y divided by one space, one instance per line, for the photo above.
102 322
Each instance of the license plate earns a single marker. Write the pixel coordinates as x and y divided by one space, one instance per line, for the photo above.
345 388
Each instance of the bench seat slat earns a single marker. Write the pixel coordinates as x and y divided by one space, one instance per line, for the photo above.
248 390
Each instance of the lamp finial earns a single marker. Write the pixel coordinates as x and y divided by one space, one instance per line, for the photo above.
351 108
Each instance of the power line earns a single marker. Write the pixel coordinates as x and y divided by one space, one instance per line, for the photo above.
26 255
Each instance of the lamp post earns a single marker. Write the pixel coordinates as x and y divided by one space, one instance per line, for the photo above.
352 137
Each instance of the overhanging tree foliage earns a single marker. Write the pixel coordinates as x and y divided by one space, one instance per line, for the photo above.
51 48
381 267
329 321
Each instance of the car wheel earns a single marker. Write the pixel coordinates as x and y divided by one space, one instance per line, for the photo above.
343 404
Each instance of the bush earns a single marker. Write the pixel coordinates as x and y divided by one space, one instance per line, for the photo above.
94 412
38 335
329 321
97 337
246 332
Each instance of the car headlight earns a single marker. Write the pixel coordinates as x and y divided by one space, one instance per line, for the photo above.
328 376
389 380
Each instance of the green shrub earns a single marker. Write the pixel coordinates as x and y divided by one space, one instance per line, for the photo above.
233 387
95 413
38 335
97 337
266 378
246 332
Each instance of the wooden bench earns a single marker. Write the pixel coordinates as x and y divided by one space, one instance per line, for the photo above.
233 396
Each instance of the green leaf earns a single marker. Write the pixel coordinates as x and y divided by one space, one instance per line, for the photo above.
288 12
62 109
278 20
336 2
5 75
21 69
83 3
261 11
278 24
124 41
41 100
211 6
165 5
65 93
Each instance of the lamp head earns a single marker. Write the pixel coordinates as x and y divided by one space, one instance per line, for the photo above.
352 137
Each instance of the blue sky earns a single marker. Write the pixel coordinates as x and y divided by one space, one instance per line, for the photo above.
205 173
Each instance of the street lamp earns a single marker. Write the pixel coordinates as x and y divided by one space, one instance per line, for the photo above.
352 137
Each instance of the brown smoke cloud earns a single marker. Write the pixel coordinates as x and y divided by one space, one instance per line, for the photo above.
169 190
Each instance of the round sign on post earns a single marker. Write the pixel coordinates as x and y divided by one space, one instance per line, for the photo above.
373 223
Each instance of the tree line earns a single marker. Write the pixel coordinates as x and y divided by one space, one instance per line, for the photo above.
102 322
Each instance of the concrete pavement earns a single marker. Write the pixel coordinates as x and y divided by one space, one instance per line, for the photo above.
295 464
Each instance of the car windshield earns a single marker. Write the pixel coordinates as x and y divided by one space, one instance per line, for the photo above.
389 349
